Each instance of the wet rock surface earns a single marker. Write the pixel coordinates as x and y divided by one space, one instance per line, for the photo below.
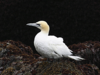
19 59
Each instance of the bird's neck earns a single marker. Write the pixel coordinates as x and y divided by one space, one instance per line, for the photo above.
44 32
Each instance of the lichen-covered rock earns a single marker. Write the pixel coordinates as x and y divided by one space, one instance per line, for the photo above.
58 68
8 71
89 69
19 59
17 56
90 50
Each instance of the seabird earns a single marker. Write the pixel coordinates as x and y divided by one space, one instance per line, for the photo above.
51 46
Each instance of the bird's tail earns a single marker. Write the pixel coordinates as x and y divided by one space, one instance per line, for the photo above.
77 58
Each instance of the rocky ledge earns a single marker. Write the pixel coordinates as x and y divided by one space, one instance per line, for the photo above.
18 59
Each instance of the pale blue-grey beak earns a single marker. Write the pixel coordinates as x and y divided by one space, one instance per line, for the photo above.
34 24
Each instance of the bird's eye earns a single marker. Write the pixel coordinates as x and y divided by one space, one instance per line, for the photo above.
38 24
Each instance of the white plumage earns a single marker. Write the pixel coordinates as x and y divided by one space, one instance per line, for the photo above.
51 46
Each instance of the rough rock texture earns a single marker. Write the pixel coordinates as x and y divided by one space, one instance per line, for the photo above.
19 59
90 50
16 58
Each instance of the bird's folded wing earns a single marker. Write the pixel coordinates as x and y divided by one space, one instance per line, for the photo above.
55 40
58 46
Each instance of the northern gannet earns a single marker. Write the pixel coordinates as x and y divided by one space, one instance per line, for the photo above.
50 46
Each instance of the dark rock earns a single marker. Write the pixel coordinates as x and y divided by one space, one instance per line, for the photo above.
19 59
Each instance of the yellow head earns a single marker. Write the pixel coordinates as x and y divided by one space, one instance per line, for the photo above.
42 25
